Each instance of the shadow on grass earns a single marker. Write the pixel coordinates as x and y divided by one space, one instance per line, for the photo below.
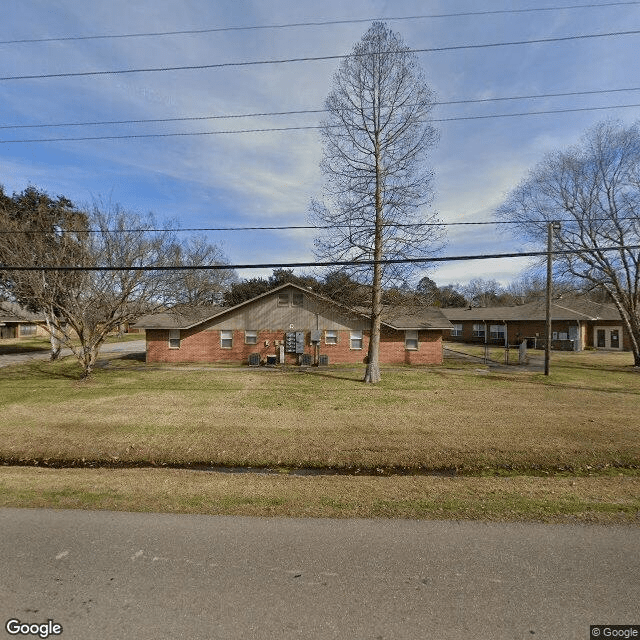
138 357
334 376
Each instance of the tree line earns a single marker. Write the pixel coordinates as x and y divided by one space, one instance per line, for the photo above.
81 307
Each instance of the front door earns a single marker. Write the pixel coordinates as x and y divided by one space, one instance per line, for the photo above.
608 337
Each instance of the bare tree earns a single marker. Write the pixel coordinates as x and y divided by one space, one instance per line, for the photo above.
34 227
375 138
594 189
200 287
96 274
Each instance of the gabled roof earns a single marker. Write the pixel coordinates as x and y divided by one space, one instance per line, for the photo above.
396 318
12 312
561 309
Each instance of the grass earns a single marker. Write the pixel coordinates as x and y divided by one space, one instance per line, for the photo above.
585 415
523 436
42 343
608 500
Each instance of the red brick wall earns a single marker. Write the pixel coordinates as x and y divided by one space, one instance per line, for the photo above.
204 346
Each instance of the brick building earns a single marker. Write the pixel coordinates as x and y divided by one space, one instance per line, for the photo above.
293 325
16 322
576 323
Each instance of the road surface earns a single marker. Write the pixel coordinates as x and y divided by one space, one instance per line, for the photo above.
131 346
122 575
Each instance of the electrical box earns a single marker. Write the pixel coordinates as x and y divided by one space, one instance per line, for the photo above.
294 342
299 341
316 337
290 342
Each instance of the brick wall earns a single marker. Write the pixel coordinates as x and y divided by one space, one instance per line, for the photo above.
204 346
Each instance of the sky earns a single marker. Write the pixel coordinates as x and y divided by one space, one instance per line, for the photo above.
269 178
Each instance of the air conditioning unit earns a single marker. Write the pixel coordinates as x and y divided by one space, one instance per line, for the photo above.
323 360
254 359
272 360
305 359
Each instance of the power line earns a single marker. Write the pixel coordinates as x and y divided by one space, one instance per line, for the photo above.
306 127
298 227
220 65
314 24
334 263
309 111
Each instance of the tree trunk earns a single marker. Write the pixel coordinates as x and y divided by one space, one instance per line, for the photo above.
54 337
372 372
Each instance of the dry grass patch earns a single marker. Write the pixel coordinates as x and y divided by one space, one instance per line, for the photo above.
584 415
614 499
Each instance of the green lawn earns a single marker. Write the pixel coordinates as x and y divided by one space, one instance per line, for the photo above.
461 416
523 446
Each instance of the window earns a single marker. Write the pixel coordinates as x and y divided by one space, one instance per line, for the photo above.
28 329
478 331
283 299
411 340
226 339
251 337
496 332
297 299
331 337
355 340
457 330
174 338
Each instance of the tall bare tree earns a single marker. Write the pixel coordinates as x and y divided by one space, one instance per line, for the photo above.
376 137
594 189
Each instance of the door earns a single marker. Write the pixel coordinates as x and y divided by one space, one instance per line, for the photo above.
608 338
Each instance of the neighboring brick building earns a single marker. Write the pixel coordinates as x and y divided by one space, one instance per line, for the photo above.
294 325
16 322
576 323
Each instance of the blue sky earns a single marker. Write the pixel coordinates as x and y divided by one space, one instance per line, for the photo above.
269 178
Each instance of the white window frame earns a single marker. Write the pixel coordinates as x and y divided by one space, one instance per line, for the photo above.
174 336
411 340
356 337
497 332
456 332
481 332
224 337
250 337
330 336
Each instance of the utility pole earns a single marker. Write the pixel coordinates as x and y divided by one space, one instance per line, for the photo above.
551 226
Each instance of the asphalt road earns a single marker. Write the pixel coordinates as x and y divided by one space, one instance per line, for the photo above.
121 575
132 346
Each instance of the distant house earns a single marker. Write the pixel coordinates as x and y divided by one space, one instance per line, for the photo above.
576 323
293 325
16 322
